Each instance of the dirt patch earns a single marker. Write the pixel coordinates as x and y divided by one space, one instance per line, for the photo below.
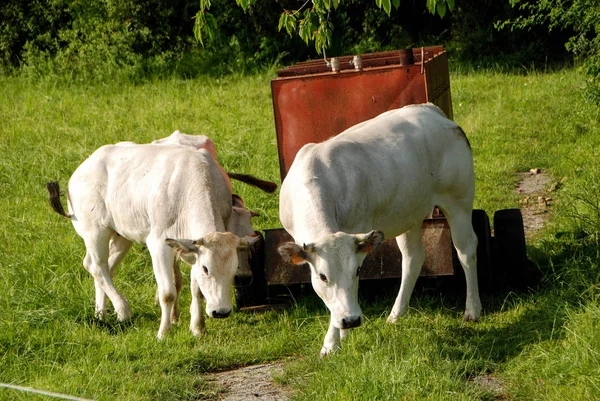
250 383
493 385
536 188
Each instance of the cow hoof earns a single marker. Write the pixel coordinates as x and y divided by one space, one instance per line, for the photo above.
175 318
470 317
124 316
392 319
199 332
329 350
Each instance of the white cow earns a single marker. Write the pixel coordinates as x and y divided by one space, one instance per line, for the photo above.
240 221
149 194
385 174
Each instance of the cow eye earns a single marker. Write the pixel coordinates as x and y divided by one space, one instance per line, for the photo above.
205 269
323 277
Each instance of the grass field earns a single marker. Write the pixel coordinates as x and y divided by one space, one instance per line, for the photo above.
536 344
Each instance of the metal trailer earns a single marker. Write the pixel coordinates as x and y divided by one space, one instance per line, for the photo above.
314 101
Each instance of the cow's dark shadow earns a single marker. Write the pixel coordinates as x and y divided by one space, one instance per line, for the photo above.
110 325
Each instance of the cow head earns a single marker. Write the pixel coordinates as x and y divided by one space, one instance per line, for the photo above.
240 224
214 261
334 264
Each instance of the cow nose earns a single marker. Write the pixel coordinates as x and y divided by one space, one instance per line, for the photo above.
220 315
351 322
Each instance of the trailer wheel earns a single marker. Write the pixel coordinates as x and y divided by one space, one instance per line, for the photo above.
485 268
510 243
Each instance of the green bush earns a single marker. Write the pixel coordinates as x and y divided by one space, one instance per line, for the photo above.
580 18
140 39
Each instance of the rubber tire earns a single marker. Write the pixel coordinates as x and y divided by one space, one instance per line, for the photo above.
485 269
511 257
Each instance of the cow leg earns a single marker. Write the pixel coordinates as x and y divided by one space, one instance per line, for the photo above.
175 313
197 325
100 305
332 341
413 256
118 249
178 280
465 242
96 262
162 263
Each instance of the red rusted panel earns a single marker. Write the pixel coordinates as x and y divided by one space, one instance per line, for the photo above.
394 57
385 262
437 83
314 108
313 104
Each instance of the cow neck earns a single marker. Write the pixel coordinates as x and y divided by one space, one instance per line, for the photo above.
318 219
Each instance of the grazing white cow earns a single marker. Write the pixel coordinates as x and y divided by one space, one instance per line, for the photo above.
240 221
149 194
385 174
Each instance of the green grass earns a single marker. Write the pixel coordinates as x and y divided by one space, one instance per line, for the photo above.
540 344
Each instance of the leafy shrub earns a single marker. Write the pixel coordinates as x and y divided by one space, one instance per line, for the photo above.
137 39
581 18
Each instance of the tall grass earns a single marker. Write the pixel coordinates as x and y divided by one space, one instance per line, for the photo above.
538 344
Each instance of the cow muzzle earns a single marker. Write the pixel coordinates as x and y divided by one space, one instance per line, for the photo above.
220 314
350 322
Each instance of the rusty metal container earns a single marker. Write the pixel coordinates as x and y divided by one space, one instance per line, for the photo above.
312 103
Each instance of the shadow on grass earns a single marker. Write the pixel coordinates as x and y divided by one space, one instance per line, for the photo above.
110 325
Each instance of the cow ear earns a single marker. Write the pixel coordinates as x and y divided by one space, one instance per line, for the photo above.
237 201
368 242
248 241
186 249
294 253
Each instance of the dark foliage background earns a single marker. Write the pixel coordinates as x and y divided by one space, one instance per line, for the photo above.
141 39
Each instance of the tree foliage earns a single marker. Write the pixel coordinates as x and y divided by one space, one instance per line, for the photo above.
580 17
139 39
311 21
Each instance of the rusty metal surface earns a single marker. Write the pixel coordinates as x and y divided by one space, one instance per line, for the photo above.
379 59
437 83
385 262
277 271
311 105
317 107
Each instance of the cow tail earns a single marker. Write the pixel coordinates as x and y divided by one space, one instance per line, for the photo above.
54 190
266 186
